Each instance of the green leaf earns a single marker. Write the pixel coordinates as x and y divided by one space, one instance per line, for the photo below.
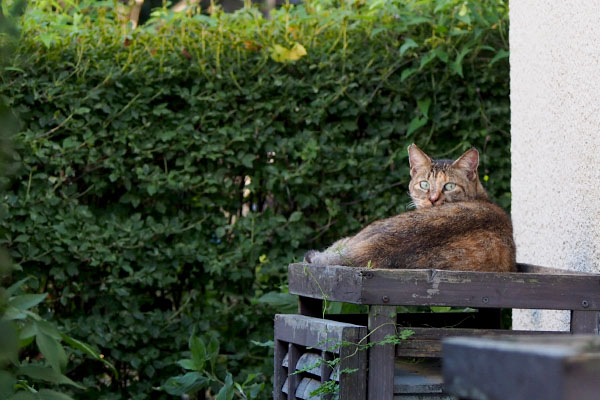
198 350
416 123
427 59
499 55
226 392
441 54
26 301
185 384
7 381
46 374
407 73
296 216
88 350
53 351
187 364
439 309
15 286
407 45
282 302
456 65
47 394
423 105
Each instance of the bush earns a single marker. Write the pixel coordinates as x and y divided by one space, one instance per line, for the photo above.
167 176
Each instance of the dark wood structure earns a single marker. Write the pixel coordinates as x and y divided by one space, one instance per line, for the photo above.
482 293
523 368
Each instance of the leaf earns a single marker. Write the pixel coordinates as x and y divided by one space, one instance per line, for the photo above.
423 105
26 301
427 59
441 54
283 302
407 73
439 309
415 124
46 374
15 286
499 56
53 351
296 216
457 64
282 54
212 351
226 392
407 45
47 394
198 350
185 384
187 364
88 350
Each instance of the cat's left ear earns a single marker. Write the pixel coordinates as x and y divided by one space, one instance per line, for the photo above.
468 162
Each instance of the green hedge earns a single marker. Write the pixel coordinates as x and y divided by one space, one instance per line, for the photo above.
165 177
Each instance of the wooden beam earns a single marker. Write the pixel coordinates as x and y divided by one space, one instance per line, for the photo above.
584 322
382 322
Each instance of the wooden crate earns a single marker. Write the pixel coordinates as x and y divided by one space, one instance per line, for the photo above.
384 289
523 368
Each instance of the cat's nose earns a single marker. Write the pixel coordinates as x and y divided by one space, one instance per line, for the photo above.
433 197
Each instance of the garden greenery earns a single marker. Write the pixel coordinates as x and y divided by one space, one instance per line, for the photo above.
164 177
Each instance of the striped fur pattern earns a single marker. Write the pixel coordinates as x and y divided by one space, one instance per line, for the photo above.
455 225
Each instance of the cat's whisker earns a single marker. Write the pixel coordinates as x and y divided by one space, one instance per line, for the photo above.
411 205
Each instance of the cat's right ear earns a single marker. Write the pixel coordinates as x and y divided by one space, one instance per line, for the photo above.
417 159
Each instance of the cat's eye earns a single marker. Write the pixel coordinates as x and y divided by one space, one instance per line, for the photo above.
424 185
449 186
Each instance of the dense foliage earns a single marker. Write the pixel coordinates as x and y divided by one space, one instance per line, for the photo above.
166 176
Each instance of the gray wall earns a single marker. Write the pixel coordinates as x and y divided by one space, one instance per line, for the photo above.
555 116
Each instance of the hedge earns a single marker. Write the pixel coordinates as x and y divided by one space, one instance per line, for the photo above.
165 177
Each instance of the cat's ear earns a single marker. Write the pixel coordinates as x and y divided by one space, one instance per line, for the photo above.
468 162
417 159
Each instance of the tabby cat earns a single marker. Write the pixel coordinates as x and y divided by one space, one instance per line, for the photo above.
454 227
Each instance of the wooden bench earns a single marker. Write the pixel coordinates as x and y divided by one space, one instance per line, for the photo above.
382 290
523 368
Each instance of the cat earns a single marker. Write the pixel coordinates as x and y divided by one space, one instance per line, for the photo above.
454 226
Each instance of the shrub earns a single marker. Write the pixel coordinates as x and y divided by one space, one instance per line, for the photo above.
166 176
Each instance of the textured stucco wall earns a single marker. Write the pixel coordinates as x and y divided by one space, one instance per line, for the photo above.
555 107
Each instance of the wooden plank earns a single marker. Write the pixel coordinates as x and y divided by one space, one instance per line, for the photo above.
536 269
306 331
293 379
333 283
382 322
523 368
427 342
280 373
565 291
481 289
584 322
310 307
423 377
353 357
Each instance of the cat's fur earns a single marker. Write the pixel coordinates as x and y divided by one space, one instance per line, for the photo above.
454 228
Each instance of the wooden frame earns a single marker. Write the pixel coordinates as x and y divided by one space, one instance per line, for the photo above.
383 289
298 334
523 368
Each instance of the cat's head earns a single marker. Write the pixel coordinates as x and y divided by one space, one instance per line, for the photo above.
435 182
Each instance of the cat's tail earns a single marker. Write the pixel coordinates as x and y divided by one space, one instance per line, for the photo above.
327 257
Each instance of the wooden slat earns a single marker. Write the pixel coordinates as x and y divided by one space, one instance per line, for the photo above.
306 331
427 342
280 373
584 322
446 288
332 283
382 322
523 368
353 356
293 379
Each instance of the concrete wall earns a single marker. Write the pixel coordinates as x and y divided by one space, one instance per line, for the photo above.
555 107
